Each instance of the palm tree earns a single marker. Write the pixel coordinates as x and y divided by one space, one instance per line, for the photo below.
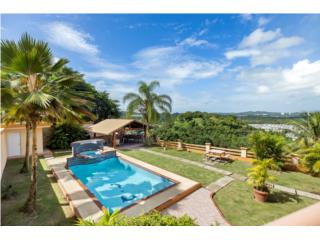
42 92
147 103
309 128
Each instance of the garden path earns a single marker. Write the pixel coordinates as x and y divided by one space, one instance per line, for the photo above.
199 206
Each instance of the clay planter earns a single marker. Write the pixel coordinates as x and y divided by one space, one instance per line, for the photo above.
260 196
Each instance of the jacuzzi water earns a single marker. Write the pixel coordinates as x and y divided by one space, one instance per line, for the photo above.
117 183
91 154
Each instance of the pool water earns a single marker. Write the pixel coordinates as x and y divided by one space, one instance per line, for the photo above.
117 183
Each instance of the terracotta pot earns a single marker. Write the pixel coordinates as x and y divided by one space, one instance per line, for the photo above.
260 196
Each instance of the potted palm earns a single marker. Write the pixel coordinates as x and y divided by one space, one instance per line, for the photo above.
258 176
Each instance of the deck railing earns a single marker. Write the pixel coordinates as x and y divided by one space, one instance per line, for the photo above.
242 154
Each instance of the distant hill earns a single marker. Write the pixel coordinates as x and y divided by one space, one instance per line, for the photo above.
258 117
266 114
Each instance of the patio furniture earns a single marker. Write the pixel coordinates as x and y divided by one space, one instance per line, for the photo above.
217 155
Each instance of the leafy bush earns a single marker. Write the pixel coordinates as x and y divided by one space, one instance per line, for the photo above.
64 134
259 173
268 145
311 159
153 218
201 127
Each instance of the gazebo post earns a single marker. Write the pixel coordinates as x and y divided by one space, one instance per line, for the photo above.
144 133
114 140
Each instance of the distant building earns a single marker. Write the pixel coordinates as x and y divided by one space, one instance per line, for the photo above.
288 130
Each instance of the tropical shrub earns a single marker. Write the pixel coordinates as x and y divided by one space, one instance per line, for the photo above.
311 159
268 145
153 218
309 128
259 173
64 134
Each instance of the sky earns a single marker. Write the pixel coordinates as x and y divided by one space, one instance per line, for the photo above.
205 62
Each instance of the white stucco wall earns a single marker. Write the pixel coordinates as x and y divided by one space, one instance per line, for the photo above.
22 131
3 150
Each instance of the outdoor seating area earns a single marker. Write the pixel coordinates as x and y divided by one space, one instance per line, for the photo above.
215 155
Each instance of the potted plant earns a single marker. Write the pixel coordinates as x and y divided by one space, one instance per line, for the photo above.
257 177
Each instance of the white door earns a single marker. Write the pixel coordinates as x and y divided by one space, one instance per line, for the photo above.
14 144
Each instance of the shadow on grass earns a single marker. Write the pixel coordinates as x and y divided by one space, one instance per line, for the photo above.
52 208
282 197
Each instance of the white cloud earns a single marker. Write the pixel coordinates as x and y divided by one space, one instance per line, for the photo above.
285 42
258 37
203 31
265 47
242 53
209 22
263 89
194 42
263 21
174 65
303 76
317 90
246 17
67 37
111 75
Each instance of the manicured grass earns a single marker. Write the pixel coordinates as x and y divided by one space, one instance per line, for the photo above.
195 173
52 208
296 180
239 208
183 154
299 181
235 166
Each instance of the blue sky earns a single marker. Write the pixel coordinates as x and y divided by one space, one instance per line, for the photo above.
205 62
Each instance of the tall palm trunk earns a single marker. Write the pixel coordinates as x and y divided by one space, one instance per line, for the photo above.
25 166
30 204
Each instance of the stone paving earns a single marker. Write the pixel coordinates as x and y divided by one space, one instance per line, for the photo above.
219 184
198 205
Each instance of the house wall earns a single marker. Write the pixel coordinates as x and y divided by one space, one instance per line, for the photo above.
22 131
3 150
23 137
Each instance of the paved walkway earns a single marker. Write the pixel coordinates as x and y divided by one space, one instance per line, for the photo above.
219 184
198 205
235 175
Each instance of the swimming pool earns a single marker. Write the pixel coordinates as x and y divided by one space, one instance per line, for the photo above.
117 183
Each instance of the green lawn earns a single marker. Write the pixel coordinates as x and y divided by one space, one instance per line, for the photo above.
296 180
198 174
53 209
299 181
183 154
239 208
